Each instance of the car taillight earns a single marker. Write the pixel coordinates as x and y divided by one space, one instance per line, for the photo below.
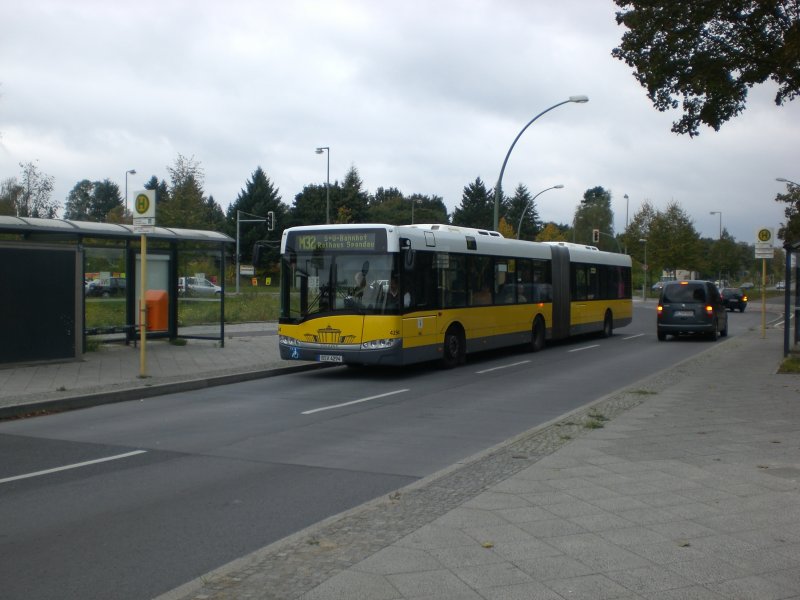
710 309
744 298
659 311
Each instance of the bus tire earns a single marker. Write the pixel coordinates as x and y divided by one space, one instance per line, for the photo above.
537 335
608 325
453 351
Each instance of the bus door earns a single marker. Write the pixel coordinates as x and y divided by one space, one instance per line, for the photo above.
562 300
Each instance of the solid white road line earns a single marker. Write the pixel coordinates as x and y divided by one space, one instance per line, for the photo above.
316 410
516 364
75 466
630 337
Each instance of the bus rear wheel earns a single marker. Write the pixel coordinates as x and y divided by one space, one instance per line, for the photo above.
608 325
454 348
537 335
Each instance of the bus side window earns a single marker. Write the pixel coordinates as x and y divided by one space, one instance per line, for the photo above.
481 280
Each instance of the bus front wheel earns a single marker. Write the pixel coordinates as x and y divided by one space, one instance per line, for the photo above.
454 348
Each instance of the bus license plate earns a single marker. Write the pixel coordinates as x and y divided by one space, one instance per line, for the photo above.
684 313
336 358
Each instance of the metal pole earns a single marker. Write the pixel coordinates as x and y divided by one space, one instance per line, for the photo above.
132 172
524 210
627 201
328 190
763 298
236 275
320 150
787 295
143 310
499 186
645 268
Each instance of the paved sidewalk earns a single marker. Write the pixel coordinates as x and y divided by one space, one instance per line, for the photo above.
686 485
112 373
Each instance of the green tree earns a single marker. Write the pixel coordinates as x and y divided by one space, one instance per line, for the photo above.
388 205
258 198
309 205
106 197
724 258
476 208
79 200
352 198
551 232
10 193
707 54
789 231
639 227
35 198
673 241
522 204
428 209
185 205
594 212
94 201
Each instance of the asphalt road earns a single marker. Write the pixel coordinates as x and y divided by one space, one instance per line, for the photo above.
194 480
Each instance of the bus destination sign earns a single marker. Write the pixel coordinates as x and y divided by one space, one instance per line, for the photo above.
341 241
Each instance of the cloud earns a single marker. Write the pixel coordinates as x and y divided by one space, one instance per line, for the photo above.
417 95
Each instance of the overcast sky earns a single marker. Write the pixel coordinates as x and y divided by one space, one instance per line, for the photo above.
421 95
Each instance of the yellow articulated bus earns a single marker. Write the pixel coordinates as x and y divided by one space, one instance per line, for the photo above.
397 295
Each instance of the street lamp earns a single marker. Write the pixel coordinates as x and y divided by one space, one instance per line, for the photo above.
645 269
784 180
132 172
413 202
525 208
719 273
718 212
577 100
327 184
626 221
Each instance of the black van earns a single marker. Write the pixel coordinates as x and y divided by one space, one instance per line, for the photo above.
691 307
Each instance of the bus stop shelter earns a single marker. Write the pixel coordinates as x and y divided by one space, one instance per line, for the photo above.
48 305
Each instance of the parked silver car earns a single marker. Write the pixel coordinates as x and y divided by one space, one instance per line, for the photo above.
197 286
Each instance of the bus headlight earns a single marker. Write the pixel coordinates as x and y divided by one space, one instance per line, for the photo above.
287 341
384 344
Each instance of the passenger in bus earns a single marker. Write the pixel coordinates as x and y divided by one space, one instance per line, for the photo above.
393 293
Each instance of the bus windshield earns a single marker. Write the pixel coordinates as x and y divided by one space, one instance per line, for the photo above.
324 282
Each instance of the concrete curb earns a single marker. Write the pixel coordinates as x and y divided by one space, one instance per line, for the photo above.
146 391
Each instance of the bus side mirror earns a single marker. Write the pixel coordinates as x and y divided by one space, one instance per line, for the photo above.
408 259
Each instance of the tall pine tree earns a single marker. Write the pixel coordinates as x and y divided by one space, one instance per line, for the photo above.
477 207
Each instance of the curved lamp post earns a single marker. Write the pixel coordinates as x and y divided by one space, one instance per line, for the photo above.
784 180
524 210
327 184
499 186
719 273
646 268
132 172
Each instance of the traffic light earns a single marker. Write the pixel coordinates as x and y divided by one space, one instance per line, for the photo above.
596 236
270 221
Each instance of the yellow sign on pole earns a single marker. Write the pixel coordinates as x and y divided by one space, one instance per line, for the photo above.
764 250
144 221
